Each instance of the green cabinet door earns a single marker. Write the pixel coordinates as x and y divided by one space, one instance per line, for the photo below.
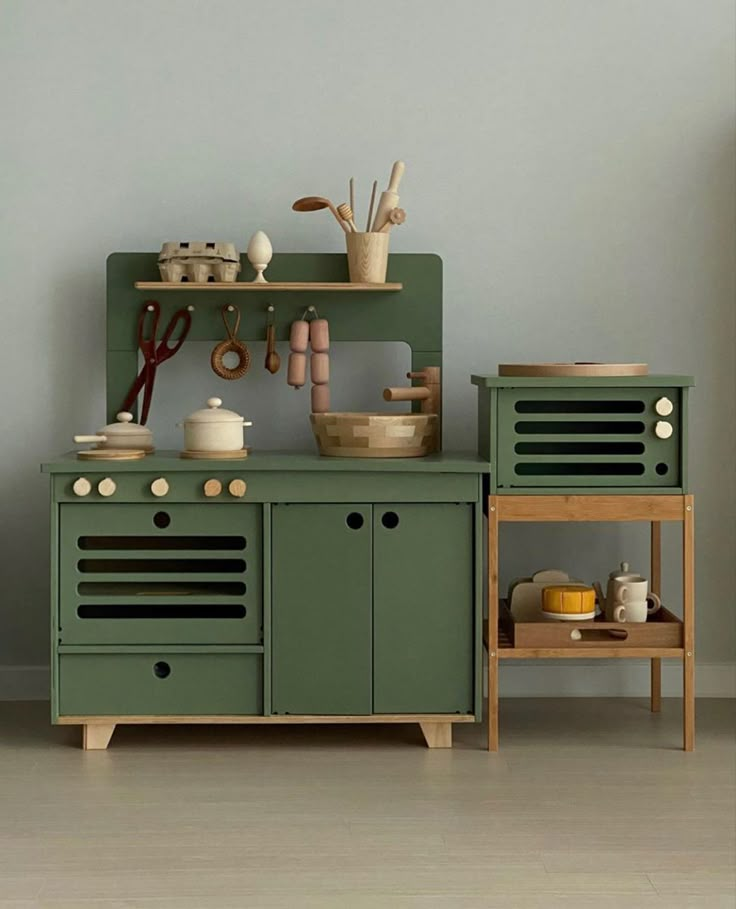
423 608
321 609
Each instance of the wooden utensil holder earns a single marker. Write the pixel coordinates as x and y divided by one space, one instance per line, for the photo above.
367 257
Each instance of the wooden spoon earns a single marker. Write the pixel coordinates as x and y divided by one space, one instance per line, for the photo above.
346 213
316 203
273 360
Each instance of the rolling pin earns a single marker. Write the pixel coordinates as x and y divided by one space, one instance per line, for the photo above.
390 197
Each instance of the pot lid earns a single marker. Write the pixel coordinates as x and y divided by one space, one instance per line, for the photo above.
124 426
624 568
214 414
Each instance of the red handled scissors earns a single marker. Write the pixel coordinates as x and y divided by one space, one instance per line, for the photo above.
154 356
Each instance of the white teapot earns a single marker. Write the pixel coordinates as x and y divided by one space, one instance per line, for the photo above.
610 602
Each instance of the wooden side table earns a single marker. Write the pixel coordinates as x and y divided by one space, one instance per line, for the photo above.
599 508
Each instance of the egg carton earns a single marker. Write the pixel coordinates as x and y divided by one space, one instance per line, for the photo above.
198 262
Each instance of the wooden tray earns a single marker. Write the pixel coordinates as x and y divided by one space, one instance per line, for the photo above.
112 454
215 455
553 370
663 630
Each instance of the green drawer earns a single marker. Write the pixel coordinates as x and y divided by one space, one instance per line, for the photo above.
166 574
160 684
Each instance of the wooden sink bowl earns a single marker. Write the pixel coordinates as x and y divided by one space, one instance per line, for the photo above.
375 435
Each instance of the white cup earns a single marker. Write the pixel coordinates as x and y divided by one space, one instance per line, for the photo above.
631 610
630 587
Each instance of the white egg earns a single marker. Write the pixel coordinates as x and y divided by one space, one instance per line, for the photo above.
260 250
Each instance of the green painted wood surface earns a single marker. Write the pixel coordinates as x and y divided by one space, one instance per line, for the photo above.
267 580
273 461
413 315
154 588
275 487
54 611
664 460
662 453
423 609
321 614
479 583
126 684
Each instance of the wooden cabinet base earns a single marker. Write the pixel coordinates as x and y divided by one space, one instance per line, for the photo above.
437 735
97 730
96 737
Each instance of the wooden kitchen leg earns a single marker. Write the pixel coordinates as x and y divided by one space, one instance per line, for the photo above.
96 736
688 615
437 735
656 587
492 624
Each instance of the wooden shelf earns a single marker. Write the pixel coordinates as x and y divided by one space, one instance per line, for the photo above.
273 286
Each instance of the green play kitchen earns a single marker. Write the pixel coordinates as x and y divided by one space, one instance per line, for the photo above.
221 583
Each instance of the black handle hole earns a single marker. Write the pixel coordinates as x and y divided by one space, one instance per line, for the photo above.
161 519
161 670
355 520
662 468
390 520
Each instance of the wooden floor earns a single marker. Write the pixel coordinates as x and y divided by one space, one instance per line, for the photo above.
588 804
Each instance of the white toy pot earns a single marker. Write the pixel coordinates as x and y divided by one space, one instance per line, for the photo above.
214 429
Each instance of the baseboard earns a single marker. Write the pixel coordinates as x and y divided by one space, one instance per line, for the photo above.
551 679
24 683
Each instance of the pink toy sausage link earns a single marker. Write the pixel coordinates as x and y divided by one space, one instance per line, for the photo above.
320 398
297 372
319 335
299 336
320 368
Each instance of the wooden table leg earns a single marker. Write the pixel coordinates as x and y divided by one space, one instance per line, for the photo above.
688 615
96 736
492 624
656 587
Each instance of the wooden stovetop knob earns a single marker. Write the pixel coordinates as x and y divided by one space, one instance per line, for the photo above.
106 487
237 488
212 488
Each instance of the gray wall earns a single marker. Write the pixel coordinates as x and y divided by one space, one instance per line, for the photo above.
571 160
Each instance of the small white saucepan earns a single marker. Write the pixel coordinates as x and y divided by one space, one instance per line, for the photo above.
214 429
121 436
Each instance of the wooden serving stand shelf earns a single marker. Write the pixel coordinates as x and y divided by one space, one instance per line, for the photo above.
665 636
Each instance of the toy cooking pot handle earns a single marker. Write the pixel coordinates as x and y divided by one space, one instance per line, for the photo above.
79 439
655 601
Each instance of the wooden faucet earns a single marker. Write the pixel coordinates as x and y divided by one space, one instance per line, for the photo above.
429 392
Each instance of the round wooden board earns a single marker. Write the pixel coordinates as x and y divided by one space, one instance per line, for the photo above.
215 455
557 370
112 454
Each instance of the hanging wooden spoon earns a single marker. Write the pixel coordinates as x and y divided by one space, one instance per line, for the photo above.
316 203
273 360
